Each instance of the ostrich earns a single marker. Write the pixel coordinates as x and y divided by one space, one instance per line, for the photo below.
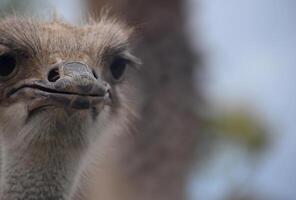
60 87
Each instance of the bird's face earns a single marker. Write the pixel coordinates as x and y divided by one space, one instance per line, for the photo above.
55 76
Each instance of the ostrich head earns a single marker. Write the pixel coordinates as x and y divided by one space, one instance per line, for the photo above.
55 77
59 86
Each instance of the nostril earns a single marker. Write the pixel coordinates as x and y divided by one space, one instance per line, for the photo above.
53 75
95 74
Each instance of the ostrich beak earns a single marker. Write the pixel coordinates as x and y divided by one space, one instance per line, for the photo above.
68 84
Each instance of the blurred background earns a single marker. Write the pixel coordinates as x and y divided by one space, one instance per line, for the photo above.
247 84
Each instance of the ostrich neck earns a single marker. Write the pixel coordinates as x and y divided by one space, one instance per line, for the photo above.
45 170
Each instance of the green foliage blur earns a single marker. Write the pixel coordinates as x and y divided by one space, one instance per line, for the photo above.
239 126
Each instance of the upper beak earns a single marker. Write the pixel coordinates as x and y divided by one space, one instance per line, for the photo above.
76 78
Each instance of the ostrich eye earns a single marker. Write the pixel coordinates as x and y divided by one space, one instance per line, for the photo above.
7 66
118 67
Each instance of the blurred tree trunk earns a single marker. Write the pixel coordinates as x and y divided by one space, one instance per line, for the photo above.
156 160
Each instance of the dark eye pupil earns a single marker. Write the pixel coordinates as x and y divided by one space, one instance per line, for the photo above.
7 65
118 67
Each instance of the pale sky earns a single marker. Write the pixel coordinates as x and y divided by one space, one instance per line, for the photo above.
251 47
